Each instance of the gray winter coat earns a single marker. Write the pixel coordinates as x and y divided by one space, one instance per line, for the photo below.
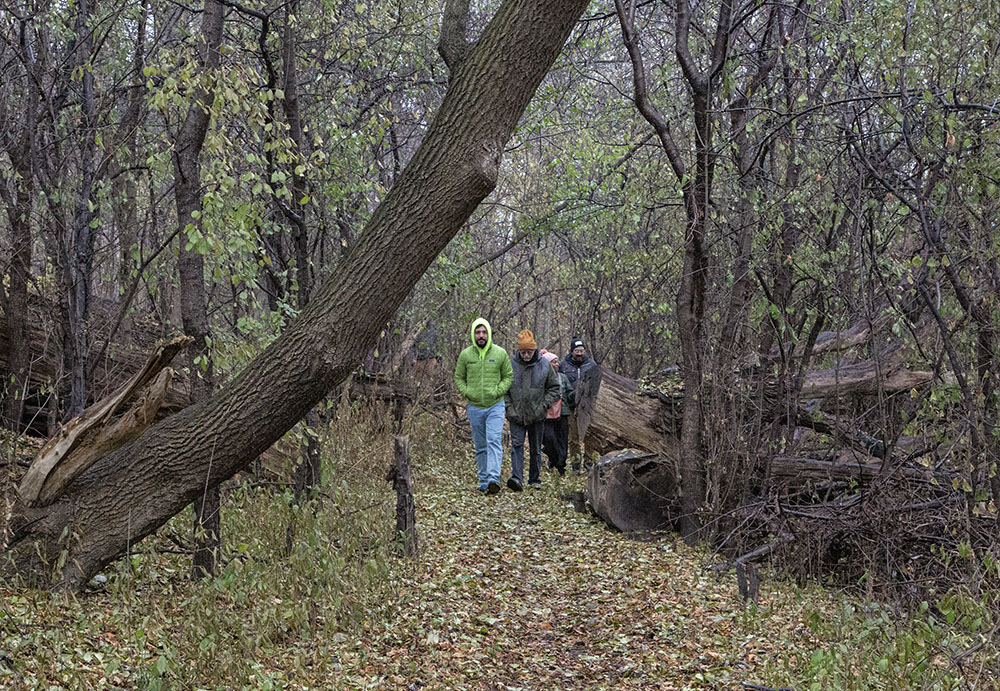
535 388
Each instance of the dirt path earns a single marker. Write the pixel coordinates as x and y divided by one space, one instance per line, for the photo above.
519 590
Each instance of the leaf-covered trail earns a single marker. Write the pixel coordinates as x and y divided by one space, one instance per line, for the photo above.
519 590
515 591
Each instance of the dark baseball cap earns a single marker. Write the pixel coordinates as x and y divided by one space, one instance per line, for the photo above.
577 343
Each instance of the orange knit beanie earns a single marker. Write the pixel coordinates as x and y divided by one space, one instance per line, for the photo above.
526 340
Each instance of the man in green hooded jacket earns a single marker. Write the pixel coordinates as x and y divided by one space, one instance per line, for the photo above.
482 375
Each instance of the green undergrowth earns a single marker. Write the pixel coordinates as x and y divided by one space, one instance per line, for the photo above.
516 591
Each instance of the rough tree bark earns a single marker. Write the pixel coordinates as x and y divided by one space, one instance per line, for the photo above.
191 267
452 45
15 381
130 493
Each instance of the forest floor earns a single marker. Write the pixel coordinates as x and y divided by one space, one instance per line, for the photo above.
513 591
519 590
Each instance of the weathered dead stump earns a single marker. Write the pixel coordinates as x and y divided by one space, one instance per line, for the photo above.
406 516
634 492
106 373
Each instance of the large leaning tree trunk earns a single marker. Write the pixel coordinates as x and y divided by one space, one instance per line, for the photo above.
131 492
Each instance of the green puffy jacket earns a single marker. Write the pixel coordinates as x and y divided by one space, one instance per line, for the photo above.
483 375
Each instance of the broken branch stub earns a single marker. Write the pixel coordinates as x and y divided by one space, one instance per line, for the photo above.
85 439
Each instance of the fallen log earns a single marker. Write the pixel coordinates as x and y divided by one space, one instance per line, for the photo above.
627 415
864 379
645 422
847 464
625 418
844 497
634 492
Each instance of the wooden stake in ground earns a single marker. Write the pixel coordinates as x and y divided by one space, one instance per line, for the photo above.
748 581
406 516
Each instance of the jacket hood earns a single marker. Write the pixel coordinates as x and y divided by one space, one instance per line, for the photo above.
489 335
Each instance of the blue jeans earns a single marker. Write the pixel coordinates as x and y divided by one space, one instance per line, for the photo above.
487 431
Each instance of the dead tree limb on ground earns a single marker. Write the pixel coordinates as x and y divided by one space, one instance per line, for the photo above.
100 429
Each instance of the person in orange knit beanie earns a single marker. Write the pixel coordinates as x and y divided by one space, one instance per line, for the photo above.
534 389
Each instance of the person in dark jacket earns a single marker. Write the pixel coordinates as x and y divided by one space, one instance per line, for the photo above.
556 442
576 364
535 388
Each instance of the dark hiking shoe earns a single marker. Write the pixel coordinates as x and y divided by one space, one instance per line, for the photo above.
513 485
493 487
535 484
